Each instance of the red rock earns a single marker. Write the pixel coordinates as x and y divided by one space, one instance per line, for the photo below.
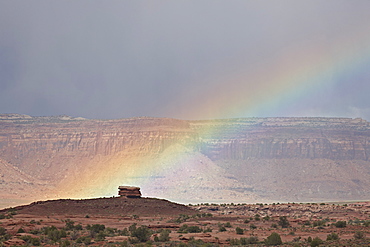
14 242
129 191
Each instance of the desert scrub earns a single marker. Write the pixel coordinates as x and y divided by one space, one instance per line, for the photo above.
340 224
283 222
142 233
164 236
239 231
332 236
316 242
273 239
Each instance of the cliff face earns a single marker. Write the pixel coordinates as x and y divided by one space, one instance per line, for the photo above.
271 138
40 145
208 160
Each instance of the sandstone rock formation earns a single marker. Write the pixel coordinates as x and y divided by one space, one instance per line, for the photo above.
250 159
129 191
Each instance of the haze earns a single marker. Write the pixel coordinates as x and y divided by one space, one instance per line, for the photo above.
185 59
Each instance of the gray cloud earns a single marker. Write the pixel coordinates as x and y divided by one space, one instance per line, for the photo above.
140 58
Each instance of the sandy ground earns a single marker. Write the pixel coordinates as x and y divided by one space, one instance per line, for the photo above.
217 222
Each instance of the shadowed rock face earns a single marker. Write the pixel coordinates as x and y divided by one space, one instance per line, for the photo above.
258 159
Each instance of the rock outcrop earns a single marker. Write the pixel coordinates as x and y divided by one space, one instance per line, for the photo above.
129 191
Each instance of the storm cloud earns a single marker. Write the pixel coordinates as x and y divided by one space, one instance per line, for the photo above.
117 59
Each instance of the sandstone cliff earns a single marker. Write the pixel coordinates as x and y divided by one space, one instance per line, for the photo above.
304 138
254 159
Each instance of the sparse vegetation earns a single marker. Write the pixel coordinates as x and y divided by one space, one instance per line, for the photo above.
316 242
189 229
273 239
340 224
283 222
239 231
141 233
164 236
78 232
359 235
332 236
2 231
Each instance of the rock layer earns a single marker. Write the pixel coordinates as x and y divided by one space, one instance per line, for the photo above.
216 159
129 191
304 138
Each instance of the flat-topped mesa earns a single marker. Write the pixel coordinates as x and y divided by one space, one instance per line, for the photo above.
129 191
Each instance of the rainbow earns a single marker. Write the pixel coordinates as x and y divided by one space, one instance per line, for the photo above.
279 88
272 89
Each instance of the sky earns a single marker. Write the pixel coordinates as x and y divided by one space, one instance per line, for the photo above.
185 59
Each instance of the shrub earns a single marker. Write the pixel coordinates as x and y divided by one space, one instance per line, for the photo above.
252 227
12 212
359 235
100 236
221 228
132 227
87 240
340 224
164 236
142 233
54 234
20 230
319 223
74 235
316 242
283 222
65 243
332 236
27 239
239 231
123 232
70 224
183 229
228 225
35 242
207 230
182 218
250 240
78 227
35 231
45 230
266 218
194 229
273 239
233 241
84 239
257 217
96 228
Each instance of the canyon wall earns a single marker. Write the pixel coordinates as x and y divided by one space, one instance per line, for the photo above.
40 145
216 158
304 138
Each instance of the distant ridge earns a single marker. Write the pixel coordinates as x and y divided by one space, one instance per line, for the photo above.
251 160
